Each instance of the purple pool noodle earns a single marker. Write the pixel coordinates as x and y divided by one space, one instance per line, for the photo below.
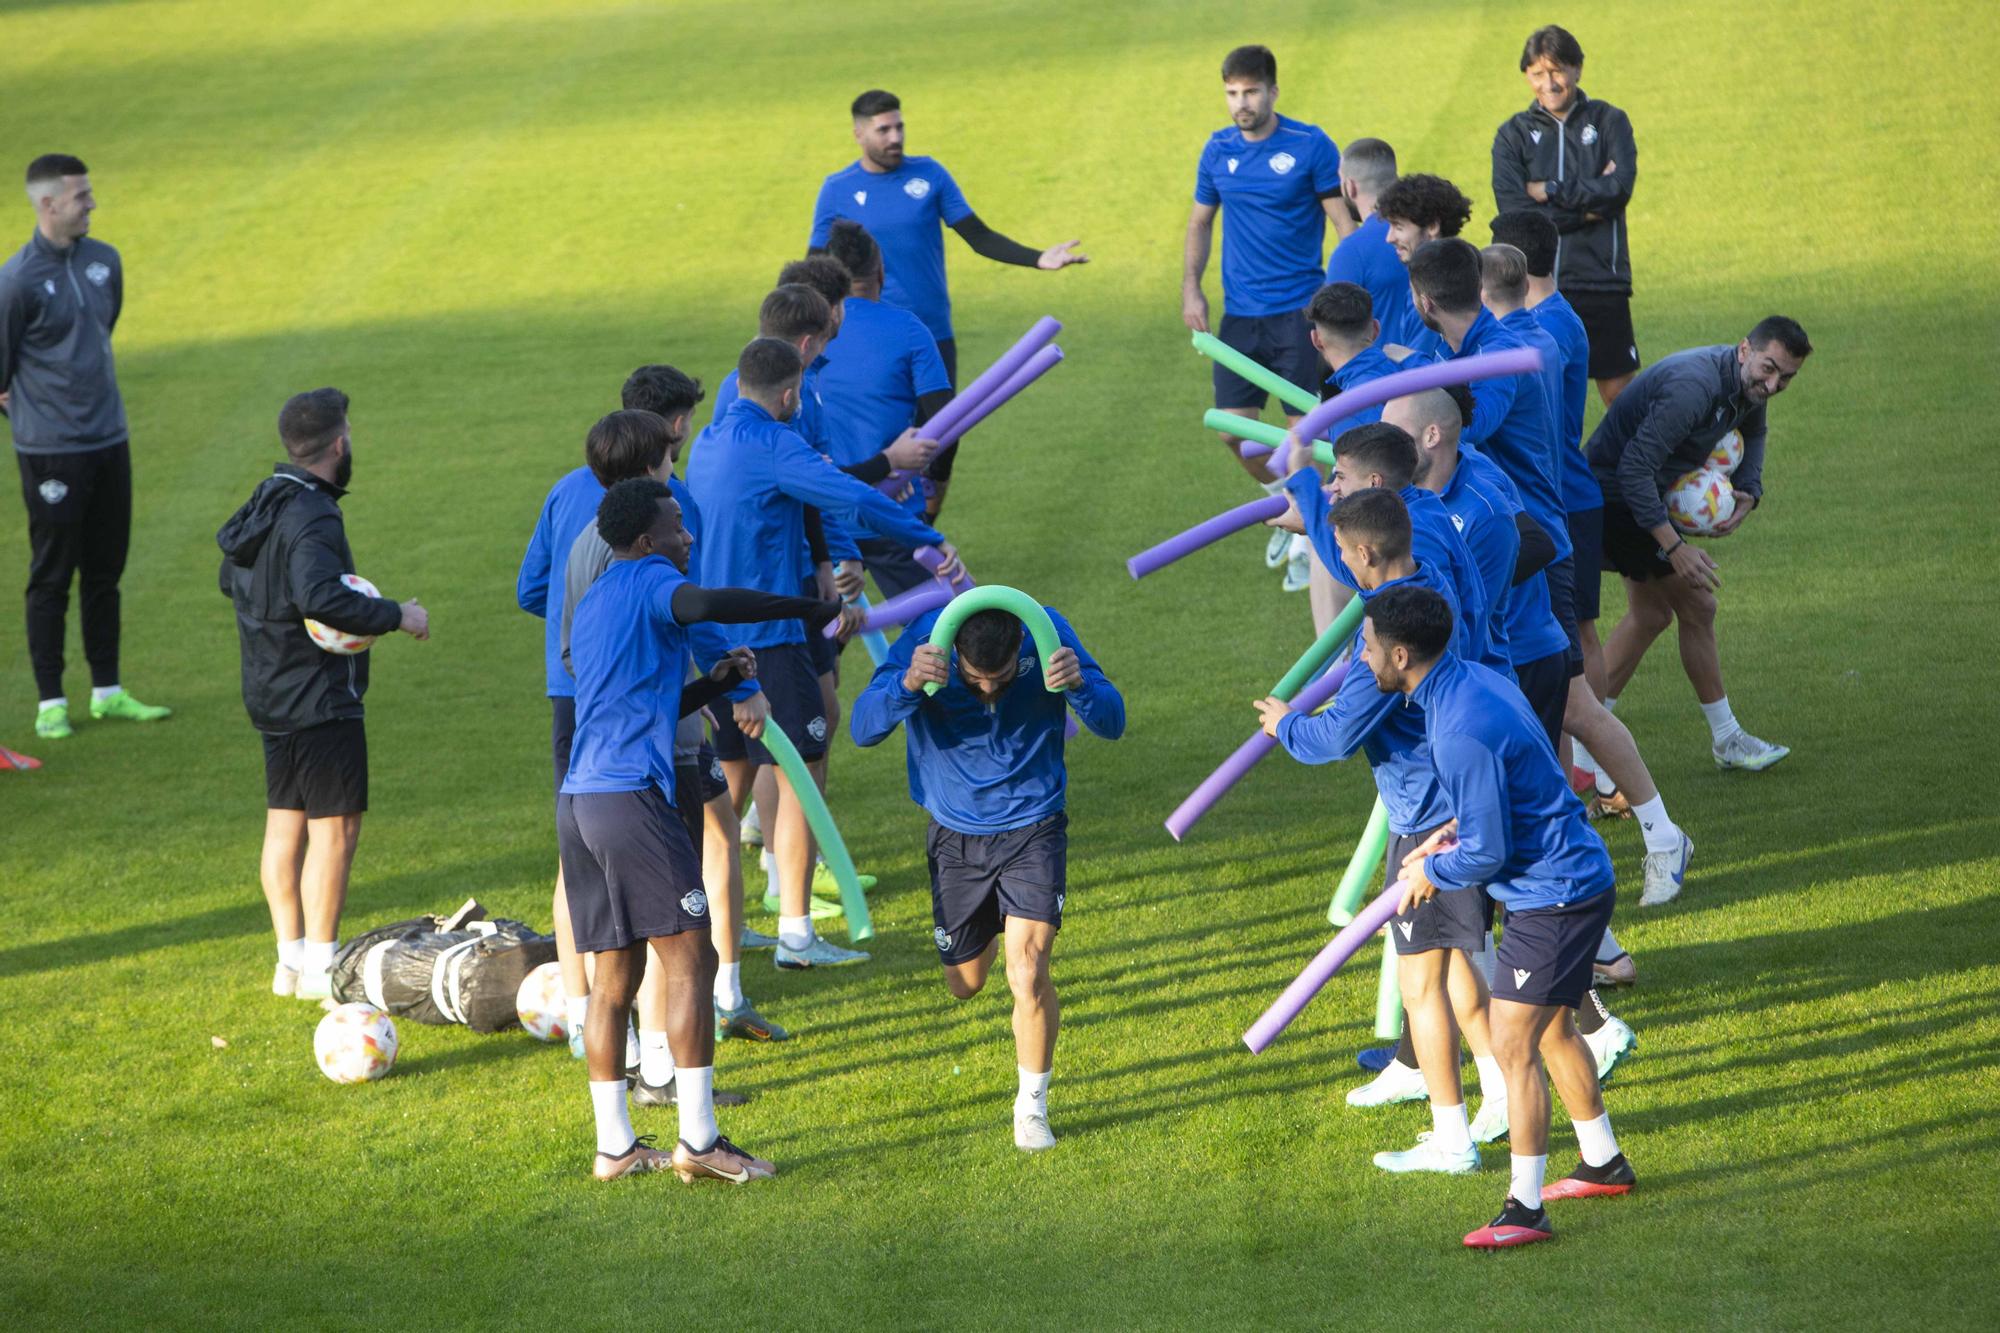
1488 365
1232 770
1036 338
1037 365
1201 534
901 609
1320 970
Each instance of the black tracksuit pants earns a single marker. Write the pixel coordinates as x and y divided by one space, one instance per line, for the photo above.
79 524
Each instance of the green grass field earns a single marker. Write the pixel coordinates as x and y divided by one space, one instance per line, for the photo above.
476 219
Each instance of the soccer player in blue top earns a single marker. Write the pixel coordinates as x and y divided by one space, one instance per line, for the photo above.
628 869
1279 179
1420 208
904 202
753 478
986 763
1365 256
1517 832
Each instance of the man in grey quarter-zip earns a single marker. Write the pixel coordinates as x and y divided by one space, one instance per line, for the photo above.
59 300
1572 158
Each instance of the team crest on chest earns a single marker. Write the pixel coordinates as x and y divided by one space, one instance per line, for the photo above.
916 187
49 286
1590 134
1232 166
1283 163
98 273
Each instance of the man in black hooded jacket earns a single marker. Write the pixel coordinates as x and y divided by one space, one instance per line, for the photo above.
284 555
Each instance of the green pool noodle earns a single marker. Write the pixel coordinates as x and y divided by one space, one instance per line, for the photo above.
1243 428
1288 393
859 927
1388 997
997 597
1323 452
1322 650
1368 854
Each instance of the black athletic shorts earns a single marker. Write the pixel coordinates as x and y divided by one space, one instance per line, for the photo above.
1546 952
1452 919
791 687
687 787
1629 548
322 770
1545 681
562 733
1281 344
1607 318
1561 576
980 879
825 652
629 870
1586 535
892 566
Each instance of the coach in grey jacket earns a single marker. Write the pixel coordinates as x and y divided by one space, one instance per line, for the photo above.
1572 158
60 297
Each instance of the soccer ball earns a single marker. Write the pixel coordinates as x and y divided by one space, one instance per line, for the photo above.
540 1003
339 640
355 1043
1701 501
1727 454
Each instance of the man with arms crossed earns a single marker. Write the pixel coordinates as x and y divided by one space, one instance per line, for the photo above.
283 555
986 762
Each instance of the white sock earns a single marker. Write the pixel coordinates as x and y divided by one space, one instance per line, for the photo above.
1526 1183
52 703
1722 722
1450 1131
656 1062
768 865
1610 703
1033 1098
1602 783
1492 1082
1607 947
316 956
1583 757
1595 1140
729 985
632 1052
697 1103
795 932
292 953
576 1008
614 1125
1660 832
99 693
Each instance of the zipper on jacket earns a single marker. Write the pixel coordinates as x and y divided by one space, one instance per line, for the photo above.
1561 125
1614 247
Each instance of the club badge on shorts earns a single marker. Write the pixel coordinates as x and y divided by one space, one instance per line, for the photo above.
694 903
53 491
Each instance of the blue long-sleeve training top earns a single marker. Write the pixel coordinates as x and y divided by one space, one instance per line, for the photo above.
1483 502
752 477
1511 425
979 768
811 424
1521 831
571 507
1387 727
1558 317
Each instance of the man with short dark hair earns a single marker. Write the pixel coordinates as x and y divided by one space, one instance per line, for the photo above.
986 763
1365 256
1572 159
285 561
753 477
1279 179
1663 426
1517 834
60 297
903 201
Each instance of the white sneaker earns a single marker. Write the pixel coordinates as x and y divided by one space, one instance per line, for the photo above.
1276 549
1298 566
311 986
1427 1156
820 953
1664 873
1397 1083
1490 1125
1032 1132
752 834
1610 1044
285 981
1746 752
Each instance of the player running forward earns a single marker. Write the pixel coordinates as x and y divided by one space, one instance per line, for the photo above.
1517 831
903 202
628 868
1279 181
1437 946
986 762
283 557
1365 256
753 478
1661 427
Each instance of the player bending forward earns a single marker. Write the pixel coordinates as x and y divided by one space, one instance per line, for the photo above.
1520 833
986 761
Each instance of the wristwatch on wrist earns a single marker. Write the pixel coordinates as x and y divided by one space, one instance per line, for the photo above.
1666 552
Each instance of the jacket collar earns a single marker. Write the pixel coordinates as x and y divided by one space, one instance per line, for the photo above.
293 472
47 248
1581 100
1424 696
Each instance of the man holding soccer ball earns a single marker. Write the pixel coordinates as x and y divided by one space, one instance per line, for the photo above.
285 562
1662 427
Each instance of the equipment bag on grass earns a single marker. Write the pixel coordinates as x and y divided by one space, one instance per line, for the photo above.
470 975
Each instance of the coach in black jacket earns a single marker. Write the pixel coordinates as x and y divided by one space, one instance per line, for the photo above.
1573 158
284 553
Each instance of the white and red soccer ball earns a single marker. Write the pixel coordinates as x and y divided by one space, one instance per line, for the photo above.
1704 499
540 1003
355 1043
339 640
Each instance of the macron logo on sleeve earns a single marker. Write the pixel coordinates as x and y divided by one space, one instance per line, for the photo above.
1232 166
861 197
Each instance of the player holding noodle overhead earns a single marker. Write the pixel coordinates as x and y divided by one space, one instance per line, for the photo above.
628 869
986 762
1518 833
1662 426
